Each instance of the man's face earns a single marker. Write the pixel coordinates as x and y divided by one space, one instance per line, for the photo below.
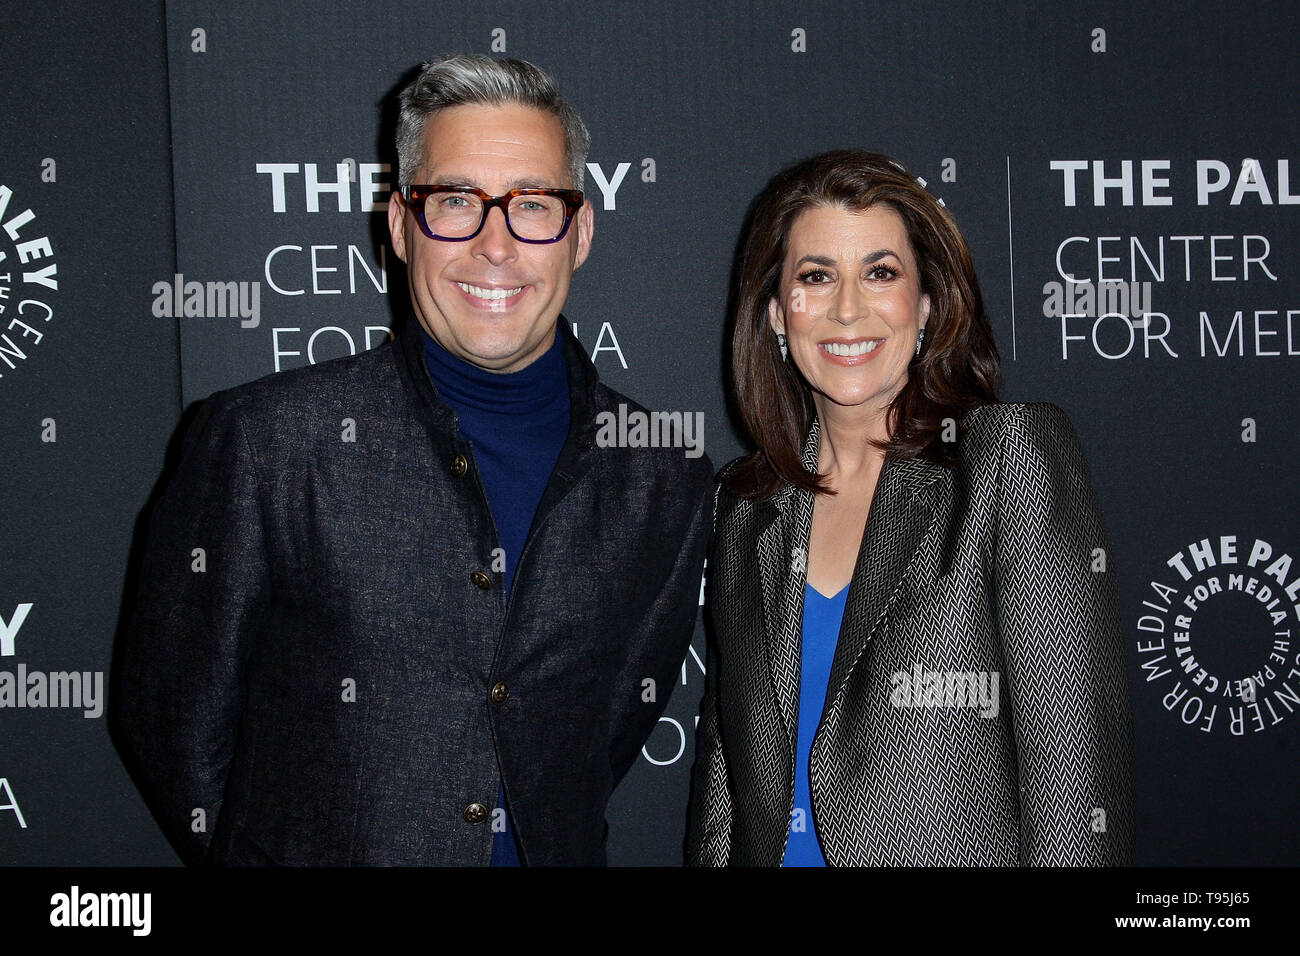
492 300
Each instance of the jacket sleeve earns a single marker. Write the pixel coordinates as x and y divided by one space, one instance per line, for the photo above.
1057 610
202 597
708 831
661 643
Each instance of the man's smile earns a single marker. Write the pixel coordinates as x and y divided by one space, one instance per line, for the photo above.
480 292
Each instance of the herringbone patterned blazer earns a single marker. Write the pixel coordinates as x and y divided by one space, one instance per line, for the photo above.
1000 566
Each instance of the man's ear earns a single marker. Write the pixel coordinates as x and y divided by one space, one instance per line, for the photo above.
775 316
585 223
397 224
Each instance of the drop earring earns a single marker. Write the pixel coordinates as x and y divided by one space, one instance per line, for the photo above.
920 337
780 341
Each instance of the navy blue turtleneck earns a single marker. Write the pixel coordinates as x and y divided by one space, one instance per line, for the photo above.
517 423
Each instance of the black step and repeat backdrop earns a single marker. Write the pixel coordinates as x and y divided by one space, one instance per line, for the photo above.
191 196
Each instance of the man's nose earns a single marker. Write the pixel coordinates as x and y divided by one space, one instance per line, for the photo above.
494 241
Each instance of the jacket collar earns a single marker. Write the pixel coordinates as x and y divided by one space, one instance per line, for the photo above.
583 378
910 493
439 421
786 500
914 474
910 496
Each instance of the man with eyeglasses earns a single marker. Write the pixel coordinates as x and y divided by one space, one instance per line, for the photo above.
444 641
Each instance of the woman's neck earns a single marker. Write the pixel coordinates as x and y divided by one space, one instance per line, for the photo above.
846 453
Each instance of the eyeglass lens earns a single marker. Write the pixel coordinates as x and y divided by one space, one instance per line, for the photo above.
456 215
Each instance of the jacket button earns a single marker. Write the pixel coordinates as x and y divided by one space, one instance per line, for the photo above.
481 580
475 813
499 692
459 465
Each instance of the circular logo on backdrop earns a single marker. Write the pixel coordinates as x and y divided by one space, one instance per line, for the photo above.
1216 635
29 276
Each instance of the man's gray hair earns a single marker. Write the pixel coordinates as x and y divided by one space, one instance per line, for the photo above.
460 79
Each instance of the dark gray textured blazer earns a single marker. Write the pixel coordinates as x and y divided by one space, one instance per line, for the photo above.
322 689
990 567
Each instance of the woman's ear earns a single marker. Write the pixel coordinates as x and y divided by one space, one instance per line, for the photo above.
775 316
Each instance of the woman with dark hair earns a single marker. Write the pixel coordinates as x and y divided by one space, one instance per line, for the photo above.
915 651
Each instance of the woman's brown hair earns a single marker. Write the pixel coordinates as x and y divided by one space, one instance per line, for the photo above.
957 369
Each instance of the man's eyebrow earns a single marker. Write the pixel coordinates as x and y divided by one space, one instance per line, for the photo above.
517 183
533 184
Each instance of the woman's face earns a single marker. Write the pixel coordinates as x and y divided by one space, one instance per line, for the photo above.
850 305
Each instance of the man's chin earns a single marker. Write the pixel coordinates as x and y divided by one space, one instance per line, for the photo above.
497 356
495 346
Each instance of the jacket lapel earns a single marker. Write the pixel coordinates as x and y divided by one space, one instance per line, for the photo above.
783 564
780 579
909 495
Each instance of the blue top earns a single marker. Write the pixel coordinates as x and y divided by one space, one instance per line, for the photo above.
821 632
517 423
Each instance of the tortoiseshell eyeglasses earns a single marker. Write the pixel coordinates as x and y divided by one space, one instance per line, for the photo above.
457 213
